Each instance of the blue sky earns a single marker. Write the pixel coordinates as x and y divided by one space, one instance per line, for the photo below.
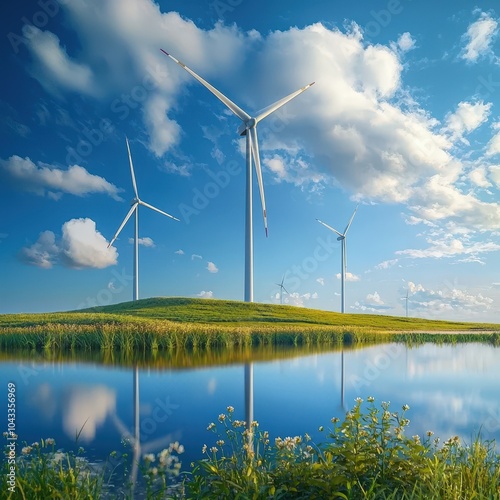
403 119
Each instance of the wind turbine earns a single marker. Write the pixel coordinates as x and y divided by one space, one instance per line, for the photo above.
282 287
135 208
406 298
342 238
248 128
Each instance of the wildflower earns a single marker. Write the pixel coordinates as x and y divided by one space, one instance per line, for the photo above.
5 434
222 417
214 449
358 400
230 409
406 407
238 423
35 444
204 448
220 442
50 441
26 450
430 433
416 438
211 426
149 457
335 420
180 449
307 437
320 429
154 471
370 399
254 424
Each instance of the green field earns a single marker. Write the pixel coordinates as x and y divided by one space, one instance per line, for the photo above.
161 323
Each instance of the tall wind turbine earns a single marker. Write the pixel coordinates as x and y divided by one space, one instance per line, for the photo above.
343 270
248 128
406 298
282 287
135 208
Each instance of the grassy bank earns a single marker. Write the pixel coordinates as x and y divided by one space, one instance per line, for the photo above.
172 323
365 456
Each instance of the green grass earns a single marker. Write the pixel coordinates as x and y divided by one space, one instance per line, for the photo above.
172 323
364 456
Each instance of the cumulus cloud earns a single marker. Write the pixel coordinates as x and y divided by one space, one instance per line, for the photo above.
297 299
479 37
195 256
386 264
51 181
406 42
179 252
349 276
358 127
321 281
43 253
81 246
85 409
212 268
467 118
449 247
372 303
205 294
146 241
449 300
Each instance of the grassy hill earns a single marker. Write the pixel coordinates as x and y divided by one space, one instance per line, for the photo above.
232 313
176 322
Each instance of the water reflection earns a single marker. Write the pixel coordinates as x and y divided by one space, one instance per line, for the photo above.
450 389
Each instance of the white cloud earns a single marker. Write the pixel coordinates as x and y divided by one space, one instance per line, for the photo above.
386 264
212 268
44 253
449 247
53 68
85 409
493 147
406 42
47 179
349 276
374 299
195 256
454 300
146 241
81 246
479 37
479 178
297 299
179 252
467 118
321 281
205 294
358 127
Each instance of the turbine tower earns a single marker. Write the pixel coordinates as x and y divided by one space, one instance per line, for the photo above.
135 208
406 298
343 257
282 287
248 128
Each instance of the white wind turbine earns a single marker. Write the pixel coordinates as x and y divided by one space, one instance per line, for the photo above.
249 129
282 287
135 208
343 270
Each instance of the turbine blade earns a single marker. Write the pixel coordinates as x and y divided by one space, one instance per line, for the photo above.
157 210
131 211
230 104
350 220
132 169
256 158
286 291
330 228
273 107
283 280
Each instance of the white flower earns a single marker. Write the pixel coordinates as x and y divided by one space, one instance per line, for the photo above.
149 457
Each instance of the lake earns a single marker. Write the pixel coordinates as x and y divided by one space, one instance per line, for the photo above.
451 390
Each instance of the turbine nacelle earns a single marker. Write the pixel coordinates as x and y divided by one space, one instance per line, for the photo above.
242 129
340 238
135 201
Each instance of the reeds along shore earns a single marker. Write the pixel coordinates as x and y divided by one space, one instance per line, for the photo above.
165 335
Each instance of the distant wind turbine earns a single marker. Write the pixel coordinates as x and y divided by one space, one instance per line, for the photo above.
343 270
249 129
406 298
282 287
135 208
